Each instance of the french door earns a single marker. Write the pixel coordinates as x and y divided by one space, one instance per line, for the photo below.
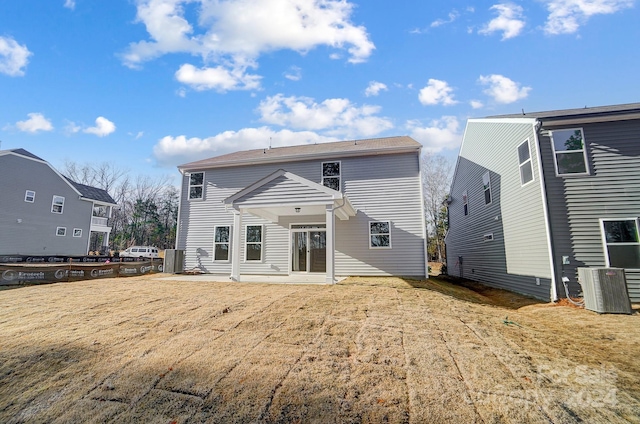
308 248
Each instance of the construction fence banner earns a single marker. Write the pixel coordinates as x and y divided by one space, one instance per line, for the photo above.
55 273
22 259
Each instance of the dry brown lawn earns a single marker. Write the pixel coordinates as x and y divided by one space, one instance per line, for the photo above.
366 350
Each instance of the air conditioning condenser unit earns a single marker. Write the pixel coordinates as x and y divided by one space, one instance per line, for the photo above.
605 290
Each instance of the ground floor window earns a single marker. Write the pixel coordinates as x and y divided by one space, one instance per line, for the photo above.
379 234
61 231
253 243
77 232
221 243
622 243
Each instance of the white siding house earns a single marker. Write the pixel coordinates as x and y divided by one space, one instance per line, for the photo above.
564 193
343 208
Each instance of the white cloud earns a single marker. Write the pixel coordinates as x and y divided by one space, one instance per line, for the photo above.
509 21
218 78
375 88
71 128
476 104
70 4
336 117
36 123
294 74
103 127
453 15
436 92
440 134
234 34
13 57
502 89
171 151
566 16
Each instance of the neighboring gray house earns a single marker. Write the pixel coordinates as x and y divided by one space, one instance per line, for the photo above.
44 213
342 208
537 195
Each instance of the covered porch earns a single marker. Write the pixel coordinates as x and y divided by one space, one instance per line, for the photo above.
284 194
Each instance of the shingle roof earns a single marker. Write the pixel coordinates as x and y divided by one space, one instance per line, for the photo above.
92 193
23 152
577 113
308 151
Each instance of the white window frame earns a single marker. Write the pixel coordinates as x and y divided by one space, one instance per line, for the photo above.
215 243
195 186
523 164
488 237
556 152
380 234
64 231
53 204
604 237
465 203
29 196
339 176
487 187
261 243
77 232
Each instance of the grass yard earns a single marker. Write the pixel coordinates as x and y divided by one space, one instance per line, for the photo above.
366 350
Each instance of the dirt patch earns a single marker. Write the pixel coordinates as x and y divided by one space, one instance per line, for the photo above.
366 350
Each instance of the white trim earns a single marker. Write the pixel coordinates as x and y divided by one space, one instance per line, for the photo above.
530 160
604 237
545 209
75 230
584 153
484 190
203 185
388 221
228 243
53 199
261 242
26 196
339 176
424 221
61 228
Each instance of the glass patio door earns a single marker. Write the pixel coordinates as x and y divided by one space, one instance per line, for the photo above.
308 249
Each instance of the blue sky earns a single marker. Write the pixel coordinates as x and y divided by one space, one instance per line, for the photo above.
150 84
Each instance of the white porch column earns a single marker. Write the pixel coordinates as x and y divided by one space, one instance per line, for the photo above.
235 245
106 238
331 245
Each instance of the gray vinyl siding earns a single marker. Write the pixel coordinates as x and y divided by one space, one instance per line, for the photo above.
576 204
35 234
518 257
383 187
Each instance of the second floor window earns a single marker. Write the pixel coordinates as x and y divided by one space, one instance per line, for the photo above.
57 205
486 186
30 196
196 185
569 152
331 175
524 157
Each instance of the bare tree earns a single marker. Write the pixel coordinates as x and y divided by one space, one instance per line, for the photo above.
436 181
147 207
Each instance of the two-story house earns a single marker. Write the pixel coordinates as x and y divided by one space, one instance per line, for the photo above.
537 195
341 208
44 213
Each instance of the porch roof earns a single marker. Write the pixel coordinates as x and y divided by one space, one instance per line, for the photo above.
283 193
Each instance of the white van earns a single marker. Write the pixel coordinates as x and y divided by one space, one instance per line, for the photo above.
140 252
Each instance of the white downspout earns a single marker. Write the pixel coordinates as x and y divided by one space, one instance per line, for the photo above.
545 205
